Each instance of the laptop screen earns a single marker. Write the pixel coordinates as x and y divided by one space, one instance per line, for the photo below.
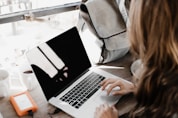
59 61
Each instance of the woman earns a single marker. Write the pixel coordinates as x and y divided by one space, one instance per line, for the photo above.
153 34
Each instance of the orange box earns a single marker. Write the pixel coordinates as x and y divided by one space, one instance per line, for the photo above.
23 103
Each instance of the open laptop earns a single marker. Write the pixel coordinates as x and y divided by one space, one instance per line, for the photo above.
61 66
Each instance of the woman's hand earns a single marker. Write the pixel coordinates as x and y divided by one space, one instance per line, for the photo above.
106 111
110 84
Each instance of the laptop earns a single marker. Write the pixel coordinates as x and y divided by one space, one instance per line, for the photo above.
68 79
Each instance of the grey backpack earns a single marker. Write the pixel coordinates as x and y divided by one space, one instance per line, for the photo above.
105 27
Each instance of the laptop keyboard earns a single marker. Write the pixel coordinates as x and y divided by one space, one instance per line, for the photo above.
79 94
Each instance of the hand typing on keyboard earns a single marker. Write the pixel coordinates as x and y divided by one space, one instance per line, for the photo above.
117 86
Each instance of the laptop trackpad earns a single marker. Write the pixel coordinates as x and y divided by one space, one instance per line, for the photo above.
108 99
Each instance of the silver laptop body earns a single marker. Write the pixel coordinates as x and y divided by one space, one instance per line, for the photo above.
61 65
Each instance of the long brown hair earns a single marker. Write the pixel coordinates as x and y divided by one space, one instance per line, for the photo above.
153 34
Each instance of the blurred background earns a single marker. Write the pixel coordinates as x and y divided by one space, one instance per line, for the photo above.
16 37
27 23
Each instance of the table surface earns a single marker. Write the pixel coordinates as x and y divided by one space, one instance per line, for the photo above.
44 108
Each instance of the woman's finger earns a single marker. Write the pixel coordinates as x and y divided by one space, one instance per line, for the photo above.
112 86
107 82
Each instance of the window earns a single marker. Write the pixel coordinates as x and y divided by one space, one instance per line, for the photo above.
26 23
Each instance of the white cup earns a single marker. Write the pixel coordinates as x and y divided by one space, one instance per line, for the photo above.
4 84
29 80
28 76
